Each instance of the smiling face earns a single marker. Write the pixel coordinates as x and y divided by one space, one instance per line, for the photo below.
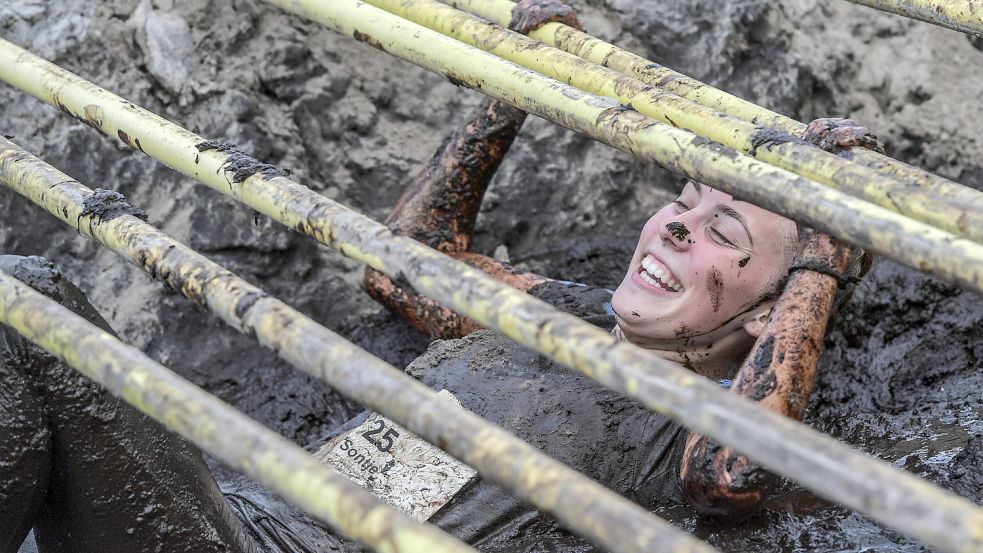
700 270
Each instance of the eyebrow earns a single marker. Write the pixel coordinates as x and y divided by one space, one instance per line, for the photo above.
727 210
698 186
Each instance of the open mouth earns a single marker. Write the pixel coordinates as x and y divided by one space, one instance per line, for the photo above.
658 275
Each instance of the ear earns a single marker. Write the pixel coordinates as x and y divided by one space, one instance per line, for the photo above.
756 324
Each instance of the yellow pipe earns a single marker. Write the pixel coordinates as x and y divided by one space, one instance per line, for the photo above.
214 426
602 53
586 507
778 149
876 229
773 441
959 15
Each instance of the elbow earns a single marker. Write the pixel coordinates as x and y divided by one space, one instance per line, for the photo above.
718 482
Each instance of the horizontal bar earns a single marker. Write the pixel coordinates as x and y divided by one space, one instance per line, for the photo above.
829 468
765 144
856 221
959 15
602 53
215 426
876 229
585 506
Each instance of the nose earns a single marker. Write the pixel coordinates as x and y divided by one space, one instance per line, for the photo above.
676 233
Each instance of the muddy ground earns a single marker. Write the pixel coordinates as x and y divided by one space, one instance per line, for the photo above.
900 377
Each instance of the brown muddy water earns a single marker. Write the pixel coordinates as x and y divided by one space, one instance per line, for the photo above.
901 374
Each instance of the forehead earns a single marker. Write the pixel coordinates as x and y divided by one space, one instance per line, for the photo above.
764 225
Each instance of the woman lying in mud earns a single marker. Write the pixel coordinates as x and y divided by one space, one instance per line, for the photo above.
89 473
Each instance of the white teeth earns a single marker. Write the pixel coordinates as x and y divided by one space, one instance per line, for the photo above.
654 275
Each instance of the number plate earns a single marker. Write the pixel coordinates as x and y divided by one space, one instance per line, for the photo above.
397 466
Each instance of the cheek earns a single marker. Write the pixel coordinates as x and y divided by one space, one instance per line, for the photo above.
651 228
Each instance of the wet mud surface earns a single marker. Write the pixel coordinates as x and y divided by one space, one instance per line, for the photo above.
900 377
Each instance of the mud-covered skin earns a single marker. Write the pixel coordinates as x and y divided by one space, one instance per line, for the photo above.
835 134
778 374
439 209
440 206
432 318
116 480
528 15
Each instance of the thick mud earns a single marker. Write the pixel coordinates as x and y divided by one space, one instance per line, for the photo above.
900 376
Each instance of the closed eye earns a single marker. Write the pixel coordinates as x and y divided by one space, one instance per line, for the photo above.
723 239
681 205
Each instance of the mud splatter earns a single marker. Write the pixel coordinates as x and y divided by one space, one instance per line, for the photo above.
368 39
770 137
715 285
239 165
107 205
763 354
94 115
131 141
678 230
743 262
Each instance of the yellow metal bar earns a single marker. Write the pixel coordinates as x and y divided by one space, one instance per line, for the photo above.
214 426
959 15
853 220
876 229
780 150
581 44
585 506
784 446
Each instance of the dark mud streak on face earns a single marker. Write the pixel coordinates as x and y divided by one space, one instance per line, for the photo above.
715 285
678 230
743 262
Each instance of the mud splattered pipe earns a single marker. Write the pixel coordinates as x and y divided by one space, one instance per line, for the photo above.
959 15
585 506
582 44
215 426
776 148
876 229
831 469
853 220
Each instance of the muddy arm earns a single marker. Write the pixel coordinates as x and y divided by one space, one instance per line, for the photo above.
780 370
778 374
440 206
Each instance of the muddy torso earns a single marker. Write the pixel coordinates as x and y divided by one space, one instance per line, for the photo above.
609 438
596 431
